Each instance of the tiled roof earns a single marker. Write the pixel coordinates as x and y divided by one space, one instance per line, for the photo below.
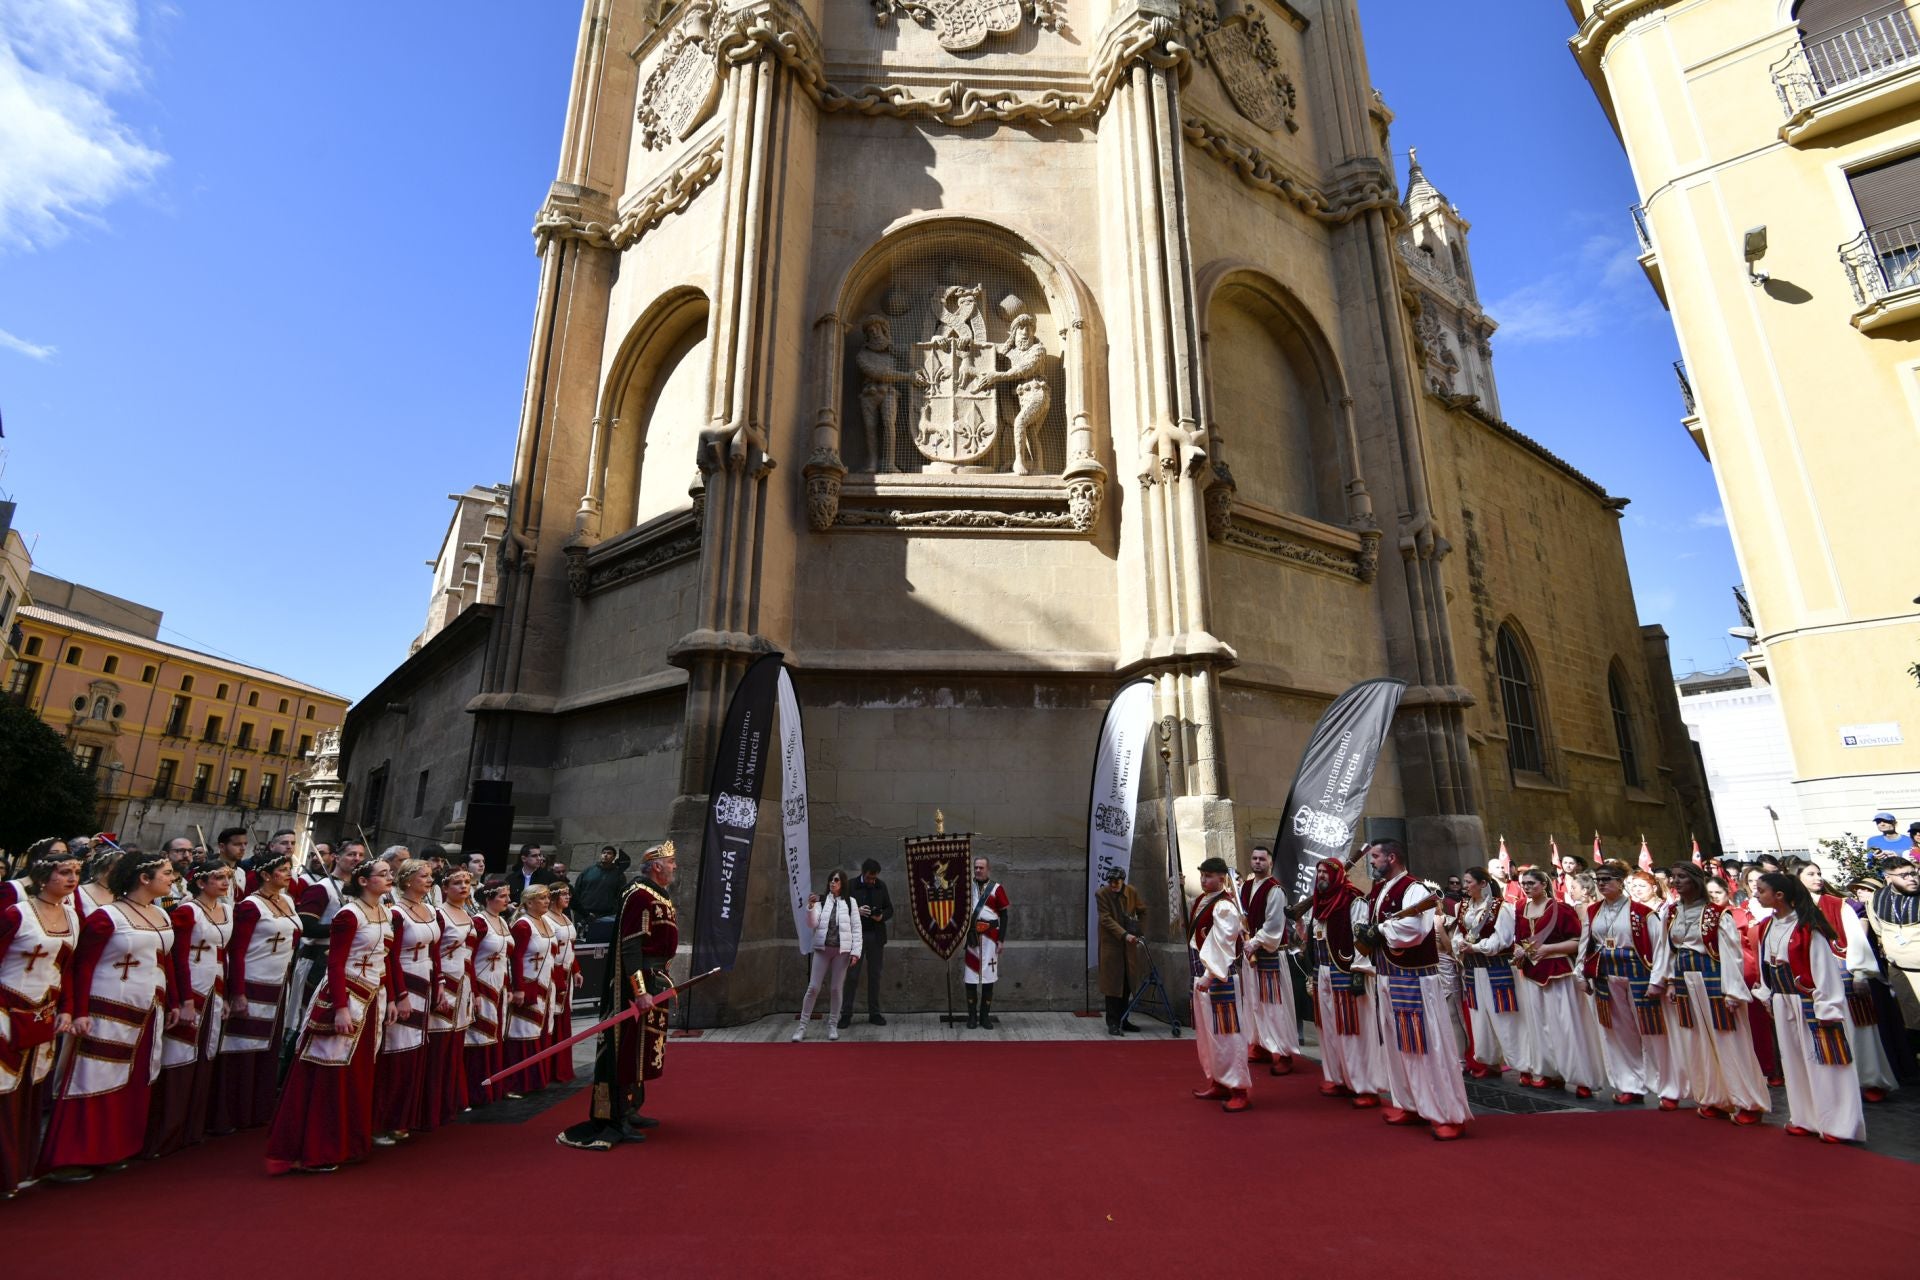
87 626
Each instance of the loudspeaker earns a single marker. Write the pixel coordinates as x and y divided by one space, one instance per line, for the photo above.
489 832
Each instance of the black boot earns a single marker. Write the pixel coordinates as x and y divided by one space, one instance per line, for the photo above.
973 1007
1115 1008
986 1005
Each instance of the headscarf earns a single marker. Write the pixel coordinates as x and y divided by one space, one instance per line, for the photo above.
1333 899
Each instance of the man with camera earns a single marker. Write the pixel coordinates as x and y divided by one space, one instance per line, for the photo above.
869 894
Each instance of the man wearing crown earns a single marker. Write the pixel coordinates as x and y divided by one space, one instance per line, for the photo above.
647 933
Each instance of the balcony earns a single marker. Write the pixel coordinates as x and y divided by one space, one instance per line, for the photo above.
1692 419
1649 260
1846 74
1883 268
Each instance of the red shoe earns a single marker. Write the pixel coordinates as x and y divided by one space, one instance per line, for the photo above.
1363 1101
1282 1065
1776 1082
1526 1080
1710 1113
1668 1104
1448 1132
1213 1093
1399 1115
1827 1137
1626 1099
1548 1082
1795 1131
1478 1072
1583 1092
1874 1095
1238 1102
1328 1089
1258 1053
1747 1118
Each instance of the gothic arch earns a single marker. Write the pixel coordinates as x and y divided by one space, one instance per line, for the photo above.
651 413
1262 345
1626 733
1522 701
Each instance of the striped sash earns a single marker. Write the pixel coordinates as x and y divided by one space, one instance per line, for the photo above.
1830 1047
1860 1005
1269 967
1624 962
1225 1003
1687 961
1408 1005
1499 980
1347 989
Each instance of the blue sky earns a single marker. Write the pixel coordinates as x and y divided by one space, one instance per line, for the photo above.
266 286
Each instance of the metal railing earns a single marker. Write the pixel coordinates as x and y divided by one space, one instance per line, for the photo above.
1639 213
1882 260
1686 387
1826 62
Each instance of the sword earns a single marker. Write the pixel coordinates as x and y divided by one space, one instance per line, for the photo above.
627 1014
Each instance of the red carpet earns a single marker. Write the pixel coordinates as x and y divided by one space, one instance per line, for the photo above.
1057 1159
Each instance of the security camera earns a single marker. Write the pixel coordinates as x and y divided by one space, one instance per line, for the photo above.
1754 246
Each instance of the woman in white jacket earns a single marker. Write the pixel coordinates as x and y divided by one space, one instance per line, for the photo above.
836 948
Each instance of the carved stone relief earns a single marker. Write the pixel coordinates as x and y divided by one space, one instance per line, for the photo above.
960 25
1231 36
684 84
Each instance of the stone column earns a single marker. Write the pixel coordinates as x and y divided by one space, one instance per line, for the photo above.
1181 652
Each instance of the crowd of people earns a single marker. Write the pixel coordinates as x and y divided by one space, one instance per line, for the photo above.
149 1001
1708 983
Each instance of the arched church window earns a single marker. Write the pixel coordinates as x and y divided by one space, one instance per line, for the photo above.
657 408
1266 402
1623 726
1518 699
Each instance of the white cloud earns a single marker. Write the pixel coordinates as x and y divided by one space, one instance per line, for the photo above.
31 350
64 151
1577 298
1714 519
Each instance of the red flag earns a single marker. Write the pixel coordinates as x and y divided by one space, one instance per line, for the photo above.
1697 860
1646 857
1506 862
1598 857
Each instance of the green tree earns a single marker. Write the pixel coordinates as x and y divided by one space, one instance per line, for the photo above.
43 790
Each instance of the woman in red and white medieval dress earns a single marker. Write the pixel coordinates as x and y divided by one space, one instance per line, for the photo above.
20 888
1488 992
1709 997
565 974
202 928
1870 1061
325 1117
493 943
529 991
95 889
266 932
1547 935
399 1077
122 1002
445 1081
38 935
1807 984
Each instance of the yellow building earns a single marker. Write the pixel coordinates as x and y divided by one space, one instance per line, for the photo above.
1776 149
176 738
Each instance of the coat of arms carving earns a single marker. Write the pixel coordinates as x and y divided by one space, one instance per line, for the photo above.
962 25
1231 36
958 419
681 89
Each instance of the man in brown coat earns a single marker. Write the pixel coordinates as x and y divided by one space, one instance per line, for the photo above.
1120 908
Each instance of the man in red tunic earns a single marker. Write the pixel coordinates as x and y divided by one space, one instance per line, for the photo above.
629 1055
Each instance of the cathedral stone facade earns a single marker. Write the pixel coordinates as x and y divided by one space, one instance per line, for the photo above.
979 355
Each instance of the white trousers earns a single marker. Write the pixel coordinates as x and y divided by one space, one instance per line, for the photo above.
1271 1024
1496 1036
1636 1062
1355 1060
1819 1097
1223 1055
1429 1083
1719 1067
830 966
1562 1046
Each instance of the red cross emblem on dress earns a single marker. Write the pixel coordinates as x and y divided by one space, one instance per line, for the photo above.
126 964
273 944
35 956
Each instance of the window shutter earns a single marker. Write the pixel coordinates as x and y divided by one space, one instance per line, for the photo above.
1817 17
1888 195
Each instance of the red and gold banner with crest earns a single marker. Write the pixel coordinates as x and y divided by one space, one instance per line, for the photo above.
937 875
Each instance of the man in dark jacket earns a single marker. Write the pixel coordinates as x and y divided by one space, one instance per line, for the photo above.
870 894
598 891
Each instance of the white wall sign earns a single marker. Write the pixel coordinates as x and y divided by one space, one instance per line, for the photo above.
1871 735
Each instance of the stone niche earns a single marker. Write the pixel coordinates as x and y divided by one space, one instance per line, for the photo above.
956 395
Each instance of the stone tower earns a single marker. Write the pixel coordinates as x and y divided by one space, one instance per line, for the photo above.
979 357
